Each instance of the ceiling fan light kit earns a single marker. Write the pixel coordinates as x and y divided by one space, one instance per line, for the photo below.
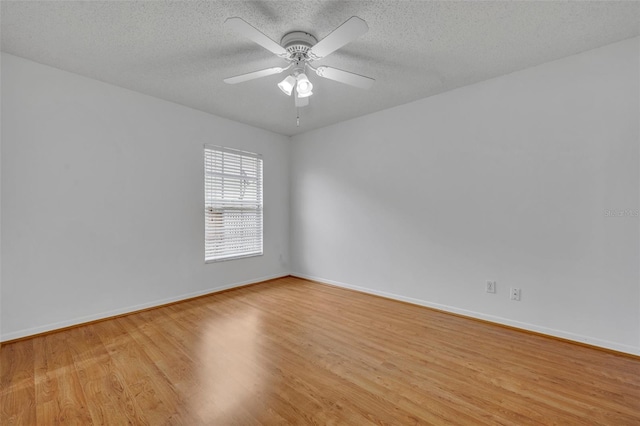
287 85
304 86
300 48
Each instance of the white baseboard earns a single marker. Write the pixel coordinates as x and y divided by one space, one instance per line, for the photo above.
478 315
127 310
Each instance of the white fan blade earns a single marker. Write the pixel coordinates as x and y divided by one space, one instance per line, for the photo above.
345 77
253 75
353 28
301 102
243 28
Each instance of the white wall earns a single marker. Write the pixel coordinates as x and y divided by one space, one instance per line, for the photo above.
102 200
507 180
0 204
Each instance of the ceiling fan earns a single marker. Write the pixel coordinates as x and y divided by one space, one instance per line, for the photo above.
300 48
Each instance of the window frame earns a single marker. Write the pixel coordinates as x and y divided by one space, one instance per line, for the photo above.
238 221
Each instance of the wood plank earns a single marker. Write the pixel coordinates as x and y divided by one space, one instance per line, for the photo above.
59 395
17 384
110 401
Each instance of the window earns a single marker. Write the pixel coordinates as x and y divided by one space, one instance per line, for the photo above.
232 204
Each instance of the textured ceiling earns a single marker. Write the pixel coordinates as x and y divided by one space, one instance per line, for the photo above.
179 51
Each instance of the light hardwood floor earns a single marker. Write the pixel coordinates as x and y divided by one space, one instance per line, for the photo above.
291 351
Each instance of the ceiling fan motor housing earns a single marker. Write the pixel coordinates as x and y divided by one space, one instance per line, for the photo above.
298 43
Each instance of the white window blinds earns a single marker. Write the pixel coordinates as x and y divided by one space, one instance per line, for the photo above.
233 203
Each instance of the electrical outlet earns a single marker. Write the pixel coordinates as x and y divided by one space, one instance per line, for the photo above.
515 294
491 287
